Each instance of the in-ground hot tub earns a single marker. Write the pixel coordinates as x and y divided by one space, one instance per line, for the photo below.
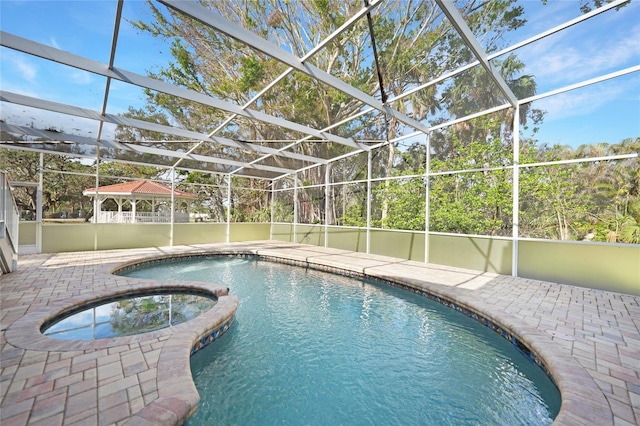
130 314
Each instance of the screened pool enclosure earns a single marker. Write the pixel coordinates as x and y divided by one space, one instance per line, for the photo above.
494 135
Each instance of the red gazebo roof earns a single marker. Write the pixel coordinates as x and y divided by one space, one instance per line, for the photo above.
138 188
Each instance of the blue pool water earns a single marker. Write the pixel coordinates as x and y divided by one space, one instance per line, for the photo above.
311 348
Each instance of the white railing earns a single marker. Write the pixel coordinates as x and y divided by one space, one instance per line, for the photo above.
142 217
9 220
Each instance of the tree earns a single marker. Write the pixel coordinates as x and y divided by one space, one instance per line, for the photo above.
415 44
212 193
596 201
615 188
22 166
472 202
421 46
250 200
64 180
405 203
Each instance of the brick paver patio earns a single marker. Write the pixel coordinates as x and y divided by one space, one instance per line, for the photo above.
589 339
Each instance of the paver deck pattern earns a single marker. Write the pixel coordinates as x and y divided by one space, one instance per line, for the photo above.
589 339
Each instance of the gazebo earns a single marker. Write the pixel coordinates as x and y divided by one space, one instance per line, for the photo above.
135 193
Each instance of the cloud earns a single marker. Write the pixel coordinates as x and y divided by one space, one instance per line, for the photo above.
81 77
585 101
27 70
54 43
576 53
22 65
541 17
557 63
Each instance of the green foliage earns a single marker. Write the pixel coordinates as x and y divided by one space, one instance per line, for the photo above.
250 201
596 201
405 199
211 191
282 212
252 72
109 169
62 192
355 215
472 203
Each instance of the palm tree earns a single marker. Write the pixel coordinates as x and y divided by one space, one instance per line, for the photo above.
474 91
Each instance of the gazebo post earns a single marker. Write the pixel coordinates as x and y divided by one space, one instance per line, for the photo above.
98 207
133 210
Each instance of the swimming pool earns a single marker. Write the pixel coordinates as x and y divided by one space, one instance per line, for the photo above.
309 347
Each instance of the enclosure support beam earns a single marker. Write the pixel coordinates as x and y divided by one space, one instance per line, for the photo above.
272 209
96 204
516 190
369 162
228 208
346 25
295 207
112 57
427 207
470 40
327 192
173 205
139 124
39 205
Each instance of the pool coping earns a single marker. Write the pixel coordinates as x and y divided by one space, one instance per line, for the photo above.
89 274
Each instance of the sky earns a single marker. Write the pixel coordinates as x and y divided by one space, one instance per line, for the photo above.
604 112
